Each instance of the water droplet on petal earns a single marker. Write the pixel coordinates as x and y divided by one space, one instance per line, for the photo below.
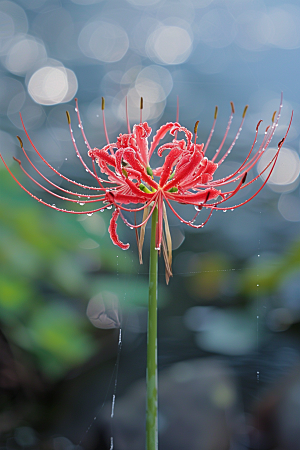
90 214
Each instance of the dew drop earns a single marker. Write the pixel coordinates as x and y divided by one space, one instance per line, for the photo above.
232 209
258 256
131 228
257 285
81 203
109 207
76 109
79 125
90 214
101 210
66 159
224 210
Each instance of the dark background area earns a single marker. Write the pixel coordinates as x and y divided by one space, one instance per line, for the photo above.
229 342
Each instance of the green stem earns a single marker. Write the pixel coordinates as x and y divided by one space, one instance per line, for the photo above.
151 414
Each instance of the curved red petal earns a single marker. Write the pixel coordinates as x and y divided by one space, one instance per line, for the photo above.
112 229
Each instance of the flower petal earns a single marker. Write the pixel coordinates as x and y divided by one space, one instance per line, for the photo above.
112 229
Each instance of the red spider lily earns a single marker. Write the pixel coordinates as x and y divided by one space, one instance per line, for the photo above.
186 176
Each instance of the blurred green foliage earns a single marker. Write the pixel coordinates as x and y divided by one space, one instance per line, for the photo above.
51 265
269 272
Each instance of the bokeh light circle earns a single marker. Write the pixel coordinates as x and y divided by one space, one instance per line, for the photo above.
23 53
103 41
169 45
51 85
217 28
289 207
154 83
255 30
287 167
286 20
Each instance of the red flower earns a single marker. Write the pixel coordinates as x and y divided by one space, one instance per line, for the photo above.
186 175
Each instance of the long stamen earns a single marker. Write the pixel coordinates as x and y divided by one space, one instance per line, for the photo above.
141 109
127 115
195 130
80 124
52 168
49 181
211 131
103 118
226 132
142 223
48 204
138 209
254 195
185 221
79 154
177 117
235 138
53 193
273 162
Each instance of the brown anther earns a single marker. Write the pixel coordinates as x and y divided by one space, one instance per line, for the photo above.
244 177
20 141
258 124
207 197
245 110
216 112
68 117
232 107
103 103
141 103
196 127
273 117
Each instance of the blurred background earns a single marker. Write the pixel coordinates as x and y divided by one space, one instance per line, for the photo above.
229 335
